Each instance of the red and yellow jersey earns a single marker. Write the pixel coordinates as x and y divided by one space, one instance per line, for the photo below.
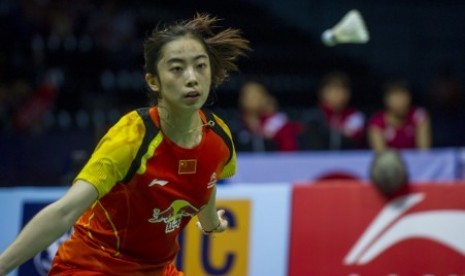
149 188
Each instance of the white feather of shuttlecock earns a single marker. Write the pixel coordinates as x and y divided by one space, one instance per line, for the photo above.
351 29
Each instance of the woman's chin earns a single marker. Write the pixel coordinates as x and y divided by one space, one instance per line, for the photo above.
194 103
190 106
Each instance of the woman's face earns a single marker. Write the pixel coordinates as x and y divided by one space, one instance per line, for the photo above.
253 98
335 97
184 75
398 101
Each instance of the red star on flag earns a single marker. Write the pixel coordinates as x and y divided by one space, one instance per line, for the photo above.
187 166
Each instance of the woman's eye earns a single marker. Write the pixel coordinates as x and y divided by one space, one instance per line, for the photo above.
202 66
176 69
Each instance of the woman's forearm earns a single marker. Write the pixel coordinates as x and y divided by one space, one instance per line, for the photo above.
423 135
208 216
376 139
47 226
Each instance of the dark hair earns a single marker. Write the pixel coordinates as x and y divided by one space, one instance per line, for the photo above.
335 78
223 47
395 85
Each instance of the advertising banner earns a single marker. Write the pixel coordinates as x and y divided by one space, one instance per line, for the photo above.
255 244
351 230
218 254
224 254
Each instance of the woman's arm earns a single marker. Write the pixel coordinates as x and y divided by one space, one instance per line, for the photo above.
376 139
211 220
423 134
48 225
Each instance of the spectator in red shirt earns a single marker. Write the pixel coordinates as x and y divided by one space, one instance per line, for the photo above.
262 118
345 123
400 125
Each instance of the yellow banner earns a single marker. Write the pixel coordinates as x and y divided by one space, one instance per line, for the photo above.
218 254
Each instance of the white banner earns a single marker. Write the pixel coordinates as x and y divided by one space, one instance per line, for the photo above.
434 165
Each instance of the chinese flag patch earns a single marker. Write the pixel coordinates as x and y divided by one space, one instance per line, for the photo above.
187 166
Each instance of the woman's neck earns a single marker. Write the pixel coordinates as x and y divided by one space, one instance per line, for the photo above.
182 127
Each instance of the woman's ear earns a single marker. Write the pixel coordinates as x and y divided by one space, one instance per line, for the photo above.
152 82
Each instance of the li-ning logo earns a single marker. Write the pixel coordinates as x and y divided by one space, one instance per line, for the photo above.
172 216
390 227
158 182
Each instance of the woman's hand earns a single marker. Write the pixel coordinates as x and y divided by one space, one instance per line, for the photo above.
220 226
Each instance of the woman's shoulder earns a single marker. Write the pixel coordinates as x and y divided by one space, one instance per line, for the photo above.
136 117
131 127
377 119
417 114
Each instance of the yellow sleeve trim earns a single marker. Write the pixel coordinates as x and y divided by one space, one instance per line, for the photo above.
114 154
150 151
229 169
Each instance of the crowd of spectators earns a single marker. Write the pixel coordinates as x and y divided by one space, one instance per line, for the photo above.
67 57
70 69
334 123
67 65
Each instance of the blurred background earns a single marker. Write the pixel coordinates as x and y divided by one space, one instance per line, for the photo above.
70 69
301 114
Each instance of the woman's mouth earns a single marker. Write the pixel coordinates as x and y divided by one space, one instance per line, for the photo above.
193 95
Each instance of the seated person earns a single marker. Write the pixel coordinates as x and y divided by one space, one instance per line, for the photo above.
344 121
400 125
262 119
335 125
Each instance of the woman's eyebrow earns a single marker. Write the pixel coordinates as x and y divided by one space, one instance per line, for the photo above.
200 56
183 60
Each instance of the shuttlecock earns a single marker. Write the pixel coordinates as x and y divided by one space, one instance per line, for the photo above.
351 29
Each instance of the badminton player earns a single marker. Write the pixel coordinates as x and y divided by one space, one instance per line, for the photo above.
152 172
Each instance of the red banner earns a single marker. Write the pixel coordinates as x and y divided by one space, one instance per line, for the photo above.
349 229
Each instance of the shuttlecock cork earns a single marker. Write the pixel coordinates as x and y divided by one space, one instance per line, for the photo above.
351 29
